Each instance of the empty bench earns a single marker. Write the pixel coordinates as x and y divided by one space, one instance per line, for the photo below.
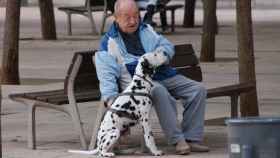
106 7
80 85
86 10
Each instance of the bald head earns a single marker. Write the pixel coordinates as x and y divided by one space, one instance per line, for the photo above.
127 15
123 5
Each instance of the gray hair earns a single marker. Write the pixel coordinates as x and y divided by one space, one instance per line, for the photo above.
119 3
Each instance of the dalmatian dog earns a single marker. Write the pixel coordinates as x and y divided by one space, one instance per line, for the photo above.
130 107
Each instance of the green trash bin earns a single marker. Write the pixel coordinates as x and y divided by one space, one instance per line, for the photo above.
254 137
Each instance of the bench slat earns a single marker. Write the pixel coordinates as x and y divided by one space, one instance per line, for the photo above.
230 90
192 72
81 9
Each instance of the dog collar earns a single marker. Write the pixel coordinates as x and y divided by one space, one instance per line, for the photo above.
144 79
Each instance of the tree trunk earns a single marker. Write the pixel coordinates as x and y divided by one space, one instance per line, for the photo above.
0 121
24 2
10 72
47 19
209 31
189 13
249 101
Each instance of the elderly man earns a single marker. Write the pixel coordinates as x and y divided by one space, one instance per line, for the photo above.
120 49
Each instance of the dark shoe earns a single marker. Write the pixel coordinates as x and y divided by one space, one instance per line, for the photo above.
182 148
196 147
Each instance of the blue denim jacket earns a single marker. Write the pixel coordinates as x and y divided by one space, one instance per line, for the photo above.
115 66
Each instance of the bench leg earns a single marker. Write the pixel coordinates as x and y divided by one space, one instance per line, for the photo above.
99 116
93 26
103 22
31 142
234 106
172 20
78 126
69 24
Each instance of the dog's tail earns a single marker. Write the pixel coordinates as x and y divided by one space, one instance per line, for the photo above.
86 152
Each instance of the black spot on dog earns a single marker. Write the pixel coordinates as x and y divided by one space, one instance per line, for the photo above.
103 140
117 105
131 124
146 67
102 136
132 108
138 85
137 102
113 121
146 120
108 143
114 128
134 116
126 105
125 126
144 103
111 137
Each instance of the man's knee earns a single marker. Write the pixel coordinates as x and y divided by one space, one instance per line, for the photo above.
200 88
159 90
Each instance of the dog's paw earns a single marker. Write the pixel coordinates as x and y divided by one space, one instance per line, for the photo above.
158 153
107 154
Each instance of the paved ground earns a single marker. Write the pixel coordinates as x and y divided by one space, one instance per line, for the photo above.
43 65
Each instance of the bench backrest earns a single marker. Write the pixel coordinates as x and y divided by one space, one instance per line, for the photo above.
110 3
86 77
186 62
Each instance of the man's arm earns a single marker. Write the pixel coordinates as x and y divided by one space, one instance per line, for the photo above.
108 72
161 43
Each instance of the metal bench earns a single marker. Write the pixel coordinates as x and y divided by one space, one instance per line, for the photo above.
187 64
172 8
86 10
107 8
80 85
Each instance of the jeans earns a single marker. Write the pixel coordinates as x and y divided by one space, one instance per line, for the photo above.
193 96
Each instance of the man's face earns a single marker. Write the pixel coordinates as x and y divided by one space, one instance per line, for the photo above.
128 20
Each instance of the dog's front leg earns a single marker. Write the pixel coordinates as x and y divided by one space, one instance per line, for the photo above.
149 138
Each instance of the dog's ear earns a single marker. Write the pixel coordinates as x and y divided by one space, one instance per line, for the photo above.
147 69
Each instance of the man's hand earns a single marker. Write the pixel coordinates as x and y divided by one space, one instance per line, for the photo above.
109 101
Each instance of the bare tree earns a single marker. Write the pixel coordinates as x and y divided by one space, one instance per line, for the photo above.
189 13
209 31
10 72
47 19
249 101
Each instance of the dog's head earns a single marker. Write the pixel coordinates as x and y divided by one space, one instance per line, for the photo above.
149 62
